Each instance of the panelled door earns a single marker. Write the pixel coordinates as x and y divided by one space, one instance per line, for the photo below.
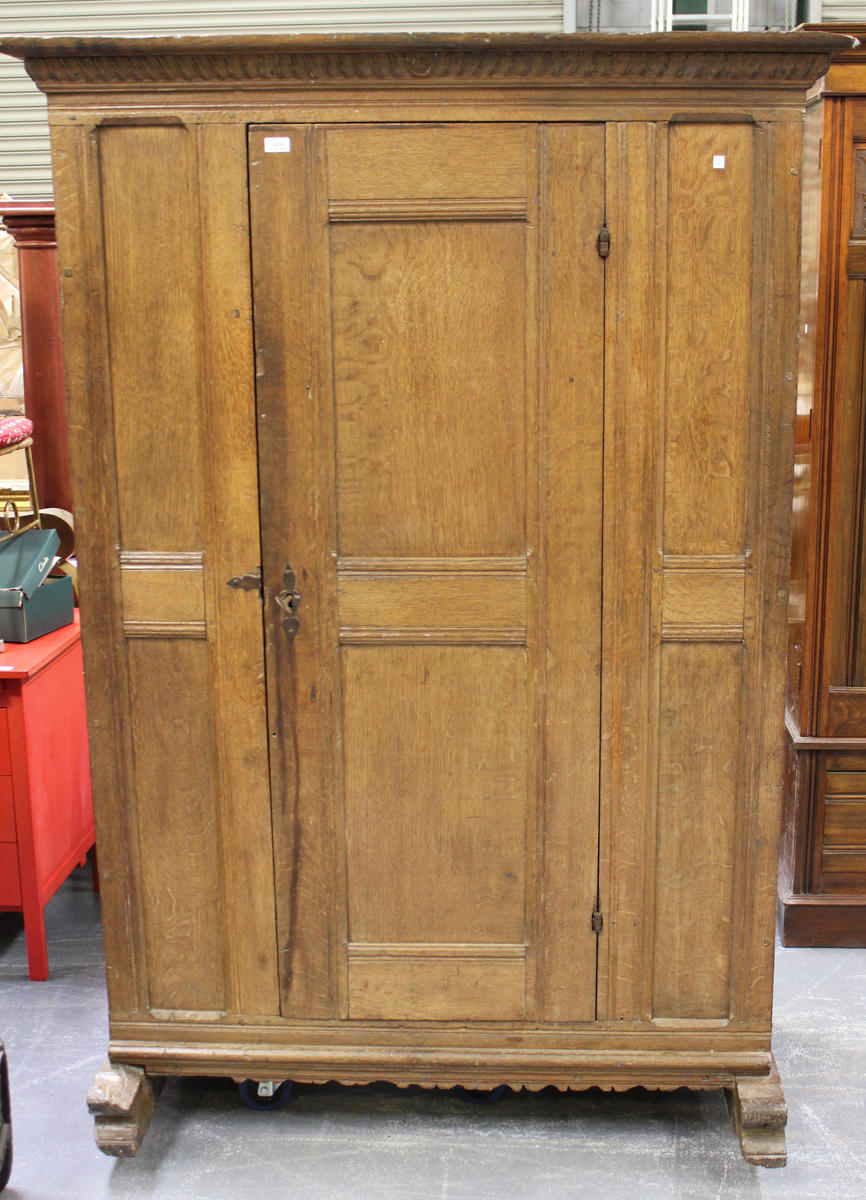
429 336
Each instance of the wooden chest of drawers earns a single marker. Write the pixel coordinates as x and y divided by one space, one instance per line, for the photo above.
822 881
46 810
484 351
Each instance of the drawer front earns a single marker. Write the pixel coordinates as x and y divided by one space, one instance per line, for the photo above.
843 872
7 810
5 754
10 881
844 822
846 783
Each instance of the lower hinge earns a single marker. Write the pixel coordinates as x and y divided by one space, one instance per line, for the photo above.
597 922
604 243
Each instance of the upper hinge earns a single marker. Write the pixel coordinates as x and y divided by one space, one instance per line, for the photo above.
604 242
597 922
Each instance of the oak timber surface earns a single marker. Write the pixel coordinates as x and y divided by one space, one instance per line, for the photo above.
507 352
822 884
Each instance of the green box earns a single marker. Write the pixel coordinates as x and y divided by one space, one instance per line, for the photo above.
51 606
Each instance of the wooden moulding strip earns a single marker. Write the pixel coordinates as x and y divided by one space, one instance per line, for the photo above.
163 594
508 208
703 598
801 742
448 1067
471 601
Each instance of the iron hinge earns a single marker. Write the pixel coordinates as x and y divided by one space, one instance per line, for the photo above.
251 582
604 243
597 922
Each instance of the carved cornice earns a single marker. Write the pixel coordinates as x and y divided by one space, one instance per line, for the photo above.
64 65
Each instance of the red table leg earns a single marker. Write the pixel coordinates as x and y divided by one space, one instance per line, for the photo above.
34 937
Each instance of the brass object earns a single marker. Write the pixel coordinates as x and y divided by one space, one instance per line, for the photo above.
289 601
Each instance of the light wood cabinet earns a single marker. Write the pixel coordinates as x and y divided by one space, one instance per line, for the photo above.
493 342
822 880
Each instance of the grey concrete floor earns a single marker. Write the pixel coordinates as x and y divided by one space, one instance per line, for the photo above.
334 1143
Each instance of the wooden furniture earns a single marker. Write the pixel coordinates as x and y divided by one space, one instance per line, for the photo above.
46 811
493 342
822 878
31 223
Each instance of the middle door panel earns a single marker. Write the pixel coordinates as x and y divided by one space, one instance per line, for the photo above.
433 310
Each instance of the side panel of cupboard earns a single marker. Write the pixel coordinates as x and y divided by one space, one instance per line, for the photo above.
535 506
157 314
822 886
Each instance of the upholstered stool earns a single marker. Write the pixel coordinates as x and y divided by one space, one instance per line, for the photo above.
15 434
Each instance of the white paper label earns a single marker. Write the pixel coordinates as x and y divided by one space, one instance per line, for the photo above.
283 146
718 161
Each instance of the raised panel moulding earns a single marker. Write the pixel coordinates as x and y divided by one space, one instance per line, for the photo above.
163 594
703 597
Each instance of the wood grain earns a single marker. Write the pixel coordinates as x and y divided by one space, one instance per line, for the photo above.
449 606
234 547
510 208
460 988
845 822
635 170
703 599
418 310
845 782
435 768
708 335
159 596
473 162
432 318
90 403
573 383
294 530
176 792
697 821
845 712
155 376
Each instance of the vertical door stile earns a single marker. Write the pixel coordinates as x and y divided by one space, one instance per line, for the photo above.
536 569
331 658
234 540
573 399
282 232
663 262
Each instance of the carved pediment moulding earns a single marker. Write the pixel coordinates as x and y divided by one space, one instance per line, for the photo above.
64 65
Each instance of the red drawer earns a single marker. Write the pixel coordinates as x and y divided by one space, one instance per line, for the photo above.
10 882
5 755
7 810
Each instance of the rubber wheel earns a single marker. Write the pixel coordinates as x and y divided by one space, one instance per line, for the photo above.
249 1092
6 1165
472 1096
5 1119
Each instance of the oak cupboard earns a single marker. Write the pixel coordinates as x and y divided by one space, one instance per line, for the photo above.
433 488
822 879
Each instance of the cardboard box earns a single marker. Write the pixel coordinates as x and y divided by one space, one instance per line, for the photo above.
30 603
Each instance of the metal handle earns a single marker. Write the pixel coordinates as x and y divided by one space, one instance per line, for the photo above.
289 602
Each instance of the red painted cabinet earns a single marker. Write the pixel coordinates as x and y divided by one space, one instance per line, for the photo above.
46 811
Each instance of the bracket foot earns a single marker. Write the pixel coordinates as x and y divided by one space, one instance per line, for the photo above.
122 1100
759 1115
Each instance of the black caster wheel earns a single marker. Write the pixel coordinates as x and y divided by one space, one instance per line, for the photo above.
5 1122
472 1096
252 1097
